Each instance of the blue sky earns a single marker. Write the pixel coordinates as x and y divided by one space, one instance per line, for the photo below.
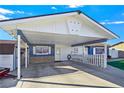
111 17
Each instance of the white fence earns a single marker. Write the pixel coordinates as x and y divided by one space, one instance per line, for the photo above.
97 60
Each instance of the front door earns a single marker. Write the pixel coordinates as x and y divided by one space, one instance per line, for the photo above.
58 54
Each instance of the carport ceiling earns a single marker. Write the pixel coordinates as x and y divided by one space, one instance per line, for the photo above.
52 38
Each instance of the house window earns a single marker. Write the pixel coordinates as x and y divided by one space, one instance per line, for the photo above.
99 50
75 50
41 50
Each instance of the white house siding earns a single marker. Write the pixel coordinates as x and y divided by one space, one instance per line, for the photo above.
66 25
79 27
55 26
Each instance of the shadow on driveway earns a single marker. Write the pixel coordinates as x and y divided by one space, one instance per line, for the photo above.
43 70
110 74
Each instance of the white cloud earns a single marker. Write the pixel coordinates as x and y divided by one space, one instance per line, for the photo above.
19 12
2 17
6 11
114 22
103 23
75 6
54 8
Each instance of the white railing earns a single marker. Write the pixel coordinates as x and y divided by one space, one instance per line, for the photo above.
97 60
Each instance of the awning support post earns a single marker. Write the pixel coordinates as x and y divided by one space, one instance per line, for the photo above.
18 56
26 57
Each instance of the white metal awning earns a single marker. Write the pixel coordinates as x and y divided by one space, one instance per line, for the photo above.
52 38
55 29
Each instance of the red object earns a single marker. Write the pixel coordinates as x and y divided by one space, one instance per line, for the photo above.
4 72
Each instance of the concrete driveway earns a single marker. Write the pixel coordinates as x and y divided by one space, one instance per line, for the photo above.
69 74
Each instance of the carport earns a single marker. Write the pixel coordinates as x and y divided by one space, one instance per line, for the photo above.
61 34
67 75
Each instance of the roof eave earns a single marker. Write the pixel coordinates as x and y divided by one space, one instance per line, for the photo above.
78 11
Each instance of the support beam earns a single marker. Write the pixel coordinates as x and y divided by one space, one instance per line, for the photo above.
26 56
19 32
14 57
90 42
105 55
18 56
83 47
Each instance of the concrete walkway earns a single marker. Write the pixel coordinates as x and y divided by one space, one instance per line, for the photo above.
70 74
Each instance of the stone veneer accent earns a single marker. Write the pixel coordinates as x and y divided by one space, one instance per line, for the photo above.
42 59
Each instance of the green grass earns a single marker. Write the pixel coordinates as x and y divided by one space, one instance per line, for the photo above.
118 64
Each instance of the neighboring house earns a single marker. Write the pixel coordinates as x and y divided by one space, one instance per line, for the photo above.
52 37
7 54
117 50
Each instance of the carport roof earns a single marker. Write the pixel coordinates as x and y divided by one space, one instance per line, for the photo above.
78 11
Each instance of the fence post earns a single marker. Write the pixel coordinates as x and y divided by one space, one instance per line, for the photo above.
105 55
